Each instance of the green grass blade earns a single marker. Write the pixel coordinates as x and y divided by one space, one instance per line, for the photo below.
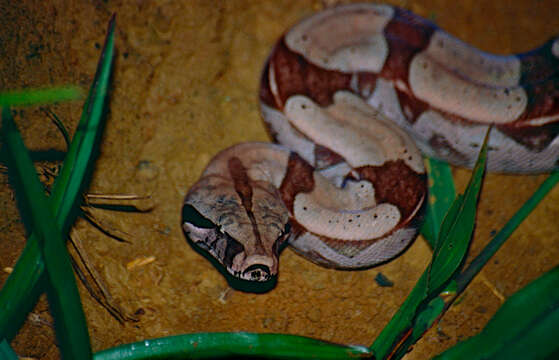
39 96
426 317
441 195
450 251
77 163
422 307
60 125
495 244
22 287
525 327
6 352
401 323
457 228
64 299
213 345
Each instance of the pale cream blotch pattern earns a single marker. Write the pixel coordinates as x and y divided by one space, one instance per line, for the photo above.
354 93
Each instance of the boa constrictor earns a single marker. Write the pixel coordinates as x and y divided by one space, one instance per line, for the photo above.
341 91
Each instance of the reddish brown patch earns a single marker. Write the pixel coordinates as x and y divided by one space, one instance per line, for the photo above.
406 34
243 187
539 64
411 106
543 100
295 75
407 25
296 228
325 157
241 181
438 141
535 138
397 184
298 179
367 82
266 95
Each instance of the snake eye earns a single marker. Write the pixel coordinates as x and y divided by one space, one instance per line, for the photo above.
281 241
192 216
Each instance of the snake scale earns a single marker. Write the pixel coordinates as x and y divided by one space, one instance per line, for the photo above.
354 94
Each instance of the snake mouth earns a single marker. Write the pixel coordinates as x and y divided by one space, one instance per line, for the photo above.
256 272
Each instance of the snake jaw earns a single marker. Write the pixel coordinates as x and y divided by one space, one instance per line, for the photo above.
241 238
255 274
255 267
213 241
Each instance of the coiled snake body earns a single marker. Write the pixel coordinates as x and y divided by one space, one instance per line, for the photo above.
341 91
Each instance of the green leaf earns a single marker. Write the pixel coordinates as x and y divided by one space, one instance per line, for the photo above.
525 327
241 344
495 244
442 193
6 352
39 96
427 317
78 162
402 320
457 228
22 287
60 127
409 322
63 296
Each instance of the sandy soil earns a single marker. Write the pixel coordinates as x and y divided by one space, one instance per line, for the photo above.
185 86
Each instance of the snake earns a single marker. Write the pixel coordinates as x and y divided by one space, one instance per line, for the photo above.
352 97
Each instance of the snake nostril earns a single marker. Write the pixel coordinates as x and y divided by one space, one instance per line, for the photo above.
257 272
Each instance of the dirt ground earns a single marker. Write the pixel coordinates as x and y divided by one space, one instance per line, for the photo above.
185 86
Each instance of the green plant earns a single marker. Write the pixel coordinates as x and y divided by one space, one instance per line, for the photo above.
526 320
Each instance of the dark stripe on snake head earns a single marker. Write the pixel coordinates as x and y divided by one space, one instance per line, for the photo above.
243 187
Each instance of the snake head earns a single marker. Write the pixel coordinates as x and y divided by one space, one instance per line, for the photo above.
243 245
